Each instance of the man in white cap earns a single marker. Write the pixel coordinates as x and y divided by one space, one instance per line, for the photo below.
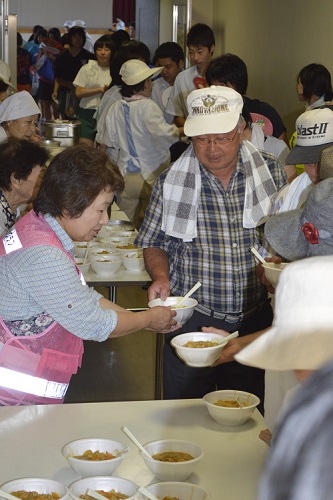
200 225
89 45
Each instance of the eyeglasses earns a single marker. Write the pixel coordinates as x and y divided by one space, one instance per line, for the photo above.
218 141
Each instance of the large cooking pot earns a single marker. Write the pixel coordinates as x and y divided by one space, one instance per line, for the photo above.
65 131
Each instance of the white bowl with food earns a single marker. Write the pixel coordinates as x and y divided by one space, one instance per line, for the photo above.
80 248
199 349
94 456
105 485
172 459
172 490
231 407
127 248
106 265
134 262
83 266
183 313
104 253
36 488
273 271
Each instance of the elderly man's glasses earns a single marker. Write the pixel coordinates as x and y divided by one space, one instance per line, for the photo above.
218 141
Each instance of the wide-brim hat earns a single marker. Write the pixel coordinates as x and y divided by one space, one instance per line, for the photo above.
135 71
212 110
314 132
18 105
301 337
5 75
306 232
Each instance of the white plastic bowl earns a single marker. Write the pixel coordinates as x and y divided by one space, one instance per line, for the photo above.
106 265
83 267
134 262
273 271
185 491
104 483
99 254
89 468
172 471
80 248
41 485
184 313
198 356
231 416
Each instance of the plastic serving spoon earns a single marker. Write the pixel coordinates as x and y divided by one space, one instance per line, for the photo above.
135 441
229 337
189 293
6 495
95 494
147 493
257 254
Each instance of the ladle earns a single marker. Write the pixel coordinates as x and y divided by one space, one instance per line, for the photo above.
189 293
136 442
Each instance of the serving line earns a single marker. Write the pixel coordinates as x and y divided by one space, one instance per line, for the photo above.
32 437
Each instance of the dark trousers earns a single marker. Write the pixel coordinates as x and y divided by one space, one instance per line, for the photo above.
184 382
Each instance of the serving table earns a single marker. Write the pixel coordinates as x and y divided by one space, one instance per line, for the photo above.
31 439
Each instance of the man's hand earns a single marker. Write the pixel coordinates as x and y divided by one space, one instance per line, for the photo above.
159 289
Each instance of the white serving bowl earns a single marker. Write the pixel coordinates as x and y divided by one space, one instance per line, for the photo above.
106 265
172 471
128 248
184 491
184 313
80 248
41 485
99 254
273 271
198 356
134 262
231 416
83 267
105 483
89 468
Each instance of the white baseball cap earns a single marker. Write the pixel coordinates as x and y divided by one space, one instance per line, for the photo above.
135 71
80 23
314 130
212 110
301 336
69 23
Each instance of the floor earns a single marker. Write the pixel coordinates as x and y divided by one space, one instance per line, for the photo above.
121 369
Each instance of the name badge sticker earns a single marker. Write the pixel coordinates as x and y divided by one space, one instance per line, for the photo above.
11 241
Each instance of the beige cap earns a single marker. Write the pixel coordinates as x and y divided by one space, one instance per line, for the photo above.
212 110
135 71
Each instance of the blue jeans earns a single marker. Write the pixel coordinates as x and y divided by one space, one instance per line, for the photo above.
184 382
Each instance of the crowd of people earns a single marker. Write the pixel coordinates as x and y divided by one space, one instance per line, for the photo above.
205 173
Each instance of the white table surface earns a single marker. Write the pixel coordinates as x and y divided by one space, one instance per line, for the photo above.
31 438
